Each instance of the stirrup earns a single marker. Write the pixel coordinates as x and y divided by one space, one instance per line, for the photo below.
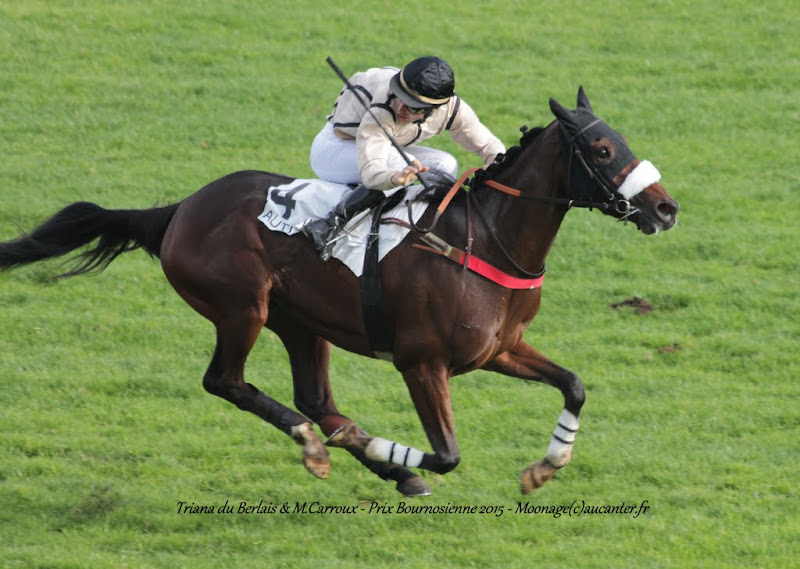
360 199
337 234
326 252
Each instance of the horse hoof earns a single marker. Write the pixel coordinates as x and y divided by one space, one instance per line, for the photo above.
316 458
349 437
318 466
315 455
536 475
413 487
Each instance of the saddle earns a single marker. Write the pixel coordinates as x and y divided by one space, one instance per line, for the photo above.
291 206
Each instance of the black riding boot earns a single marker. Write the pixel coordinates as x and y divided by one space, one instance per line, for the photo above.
321 231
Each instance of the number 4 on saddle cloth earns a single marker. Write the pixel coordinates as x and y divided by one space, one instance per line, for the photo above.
292 205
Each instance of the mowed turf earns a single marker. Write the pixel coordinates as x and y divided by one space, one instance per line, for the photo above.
691 407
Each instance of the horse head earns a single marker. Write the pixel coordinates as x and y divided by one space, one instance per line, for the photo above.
602 169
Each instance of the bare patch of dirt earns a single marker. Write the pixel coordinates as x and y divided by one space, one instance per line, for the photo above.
640 305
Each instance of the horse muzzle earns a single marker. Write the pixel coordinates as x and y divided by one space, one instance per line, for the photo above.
657 210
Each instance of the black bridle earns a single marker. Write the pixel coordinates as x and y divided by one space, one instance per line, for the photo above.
613 202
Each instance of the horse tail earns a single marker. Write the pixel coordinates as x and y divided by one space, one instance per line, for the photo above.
81 223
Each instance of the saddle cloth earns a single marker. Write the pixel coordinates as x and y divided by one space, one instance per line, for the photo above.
289 206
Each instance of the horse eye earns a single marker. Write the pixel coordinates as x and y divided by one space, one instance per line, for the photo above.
603 150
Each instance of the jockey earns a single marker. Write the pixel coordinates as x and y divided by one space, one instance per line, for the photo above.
412 104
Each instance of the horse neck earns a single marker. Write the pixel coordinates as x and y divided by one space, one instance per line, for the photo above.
527 227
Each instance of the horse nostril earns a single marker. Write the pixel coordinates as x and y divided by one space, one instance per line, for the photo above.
667 210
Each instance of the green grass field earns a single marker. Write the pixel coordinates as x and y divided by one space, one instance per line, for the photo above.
692 407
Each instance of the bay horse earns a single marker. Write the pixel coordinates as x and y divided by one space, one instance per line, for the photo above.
447 318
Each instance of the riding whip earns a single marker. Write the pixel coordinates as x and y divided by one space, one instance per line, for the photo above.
397 147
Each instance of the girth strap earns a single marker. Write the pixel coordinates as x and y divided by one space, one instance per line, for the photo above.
380 335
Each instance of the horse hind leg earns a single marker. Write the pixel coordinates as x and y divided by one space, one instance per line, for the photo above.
225 378
213 258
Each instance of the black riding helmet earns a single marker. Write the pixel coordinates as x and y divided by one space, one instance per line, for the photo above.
424 83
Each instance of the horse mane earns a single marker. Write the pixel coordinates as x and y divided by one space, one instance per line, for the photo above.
440 183
503 161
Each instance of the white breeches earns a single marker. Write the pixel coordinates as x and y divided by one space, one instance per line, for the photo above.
335 159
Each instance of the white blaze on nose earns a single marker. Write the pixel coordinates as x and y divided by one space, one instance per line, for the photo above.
645 174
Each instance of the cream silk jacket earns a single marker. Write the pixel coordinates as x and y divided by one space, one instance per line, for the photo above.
352 121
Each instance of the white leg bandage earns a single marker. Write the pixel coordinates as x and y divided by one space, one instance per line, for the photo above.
559 452
389 451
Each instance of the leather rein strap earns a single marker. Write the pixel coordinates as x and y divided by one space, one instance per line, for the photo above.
557 201
445 201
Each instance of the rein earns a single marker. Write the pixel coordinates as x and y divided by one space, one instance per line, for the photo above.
570 203
445 202
466 258
468 261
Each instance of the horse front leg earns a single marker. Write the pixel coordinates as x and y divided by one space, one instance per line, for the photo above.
309 356
524 362
429 387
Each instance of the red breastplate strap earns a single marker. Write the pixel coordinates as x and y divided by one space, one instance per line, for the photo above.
476 265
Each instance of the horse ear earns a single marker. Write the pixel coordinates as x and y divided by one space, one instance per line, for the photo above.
583 100
560 112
